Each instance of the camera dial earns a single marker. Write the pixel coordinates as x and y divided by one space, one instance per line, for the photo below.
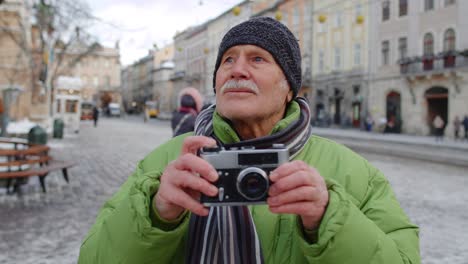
252 183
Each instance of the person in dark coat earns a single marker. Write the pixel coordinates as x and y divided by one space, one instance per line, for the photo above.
95 115
465 126
183 120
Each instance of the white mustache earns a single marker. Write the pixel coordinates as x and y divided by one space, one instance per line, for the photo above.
238 84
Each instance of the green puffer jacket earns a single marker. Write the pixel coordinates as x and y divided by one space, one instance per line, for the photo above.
363 223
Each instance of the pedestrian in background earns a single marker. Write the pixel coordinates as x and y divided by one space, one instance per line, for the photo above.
190 104
95 115
456 127
369 122
465 126
438 124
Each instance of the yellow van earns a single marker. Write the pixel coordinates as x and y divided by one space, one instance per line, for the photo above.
152 109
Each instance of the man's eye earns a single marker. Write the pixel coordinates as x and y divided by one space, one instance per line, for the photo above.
258 59
229 60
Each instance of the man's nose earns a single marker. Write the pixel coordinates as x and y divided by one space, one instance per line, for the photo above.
240 69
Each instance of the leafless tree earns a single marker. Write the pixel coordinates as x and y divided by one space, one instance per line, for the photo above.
57 41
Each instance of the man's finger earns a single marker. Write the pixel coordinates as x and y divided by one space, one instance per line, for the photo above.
190 181
198 165
289 168
304 193
292 181
193 143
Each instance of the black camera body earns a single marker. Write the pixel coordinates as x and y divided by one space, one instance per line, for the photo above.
243 173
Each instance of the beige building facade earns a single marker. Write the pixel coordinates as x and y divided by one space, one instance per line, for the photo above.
163 89
15 56
420 68
340 45
99 71
98 67
190 61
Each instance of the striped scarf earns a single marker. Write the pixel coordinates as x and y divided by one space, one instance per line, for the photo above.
228 235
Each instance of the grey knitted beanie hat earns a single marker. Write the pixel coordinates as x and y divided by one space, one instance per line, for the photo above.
271 36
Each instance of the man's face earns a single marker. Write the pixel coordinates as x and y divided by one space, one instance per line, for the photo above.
250 85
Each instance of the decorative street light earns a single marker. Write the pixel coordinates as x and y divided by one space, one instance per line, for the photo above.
278 15
236 10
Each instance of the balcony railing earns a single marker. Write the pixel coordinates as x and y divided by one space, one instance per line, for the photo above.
434 64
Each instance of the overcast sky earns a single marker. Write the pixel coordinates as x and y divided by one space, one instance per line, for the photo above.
140 23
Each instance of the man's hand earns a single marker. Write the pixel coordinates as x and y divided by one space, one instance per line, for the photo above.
184 179
298 189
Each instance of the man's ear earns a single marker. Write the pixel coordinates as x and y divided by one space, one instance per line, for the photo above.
290 96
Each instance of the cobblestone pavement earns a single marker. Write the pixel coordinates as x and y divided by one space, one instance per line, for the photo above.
48 228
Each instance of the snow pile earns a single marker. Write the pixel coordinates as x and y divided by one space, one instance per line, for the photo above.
20 127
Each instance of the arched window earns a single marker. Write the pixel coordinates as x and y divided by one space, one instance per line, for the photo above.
449 40
428 44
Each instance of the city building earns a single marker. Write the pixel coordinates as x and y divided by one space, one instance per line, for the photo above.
99 70
142 81
23 60
419 64
340 45
15 56
162 86
189 59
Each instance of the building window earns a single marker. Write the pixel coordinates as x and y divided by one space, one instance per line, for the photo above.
107 80
96 81
322 27
321 61
449 2
403 7
403 47
358 9
337 58
71 106
428 45
339 19
357 54
296 16
428 5
449 40
385 52
385 10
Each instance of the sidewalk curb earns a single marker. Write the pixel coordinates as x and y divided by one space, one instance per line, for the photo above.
447 155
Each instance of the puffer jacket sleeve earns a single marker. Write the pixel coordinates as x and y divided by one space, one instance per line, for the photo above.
124 232
375 231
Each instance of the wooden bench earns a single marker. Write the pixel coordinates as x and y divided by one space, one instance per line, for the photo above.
22 160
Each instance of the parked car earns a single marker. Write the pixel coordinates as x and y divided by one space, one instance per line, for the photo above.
114 109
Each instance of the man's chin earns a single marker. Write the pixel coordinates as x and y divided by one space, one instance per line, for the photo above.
236 113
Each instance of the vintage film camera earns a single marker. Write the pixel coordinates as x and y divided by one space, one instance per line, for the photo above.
243 173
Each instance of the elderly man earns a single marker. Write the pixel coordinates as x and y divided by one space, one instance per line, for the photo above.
326 205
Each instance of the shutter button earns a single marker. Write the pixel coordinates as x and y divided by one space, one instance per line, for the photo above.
221 194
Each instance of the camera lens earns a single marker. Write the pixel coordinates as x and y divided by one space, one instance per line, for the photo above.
252 183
